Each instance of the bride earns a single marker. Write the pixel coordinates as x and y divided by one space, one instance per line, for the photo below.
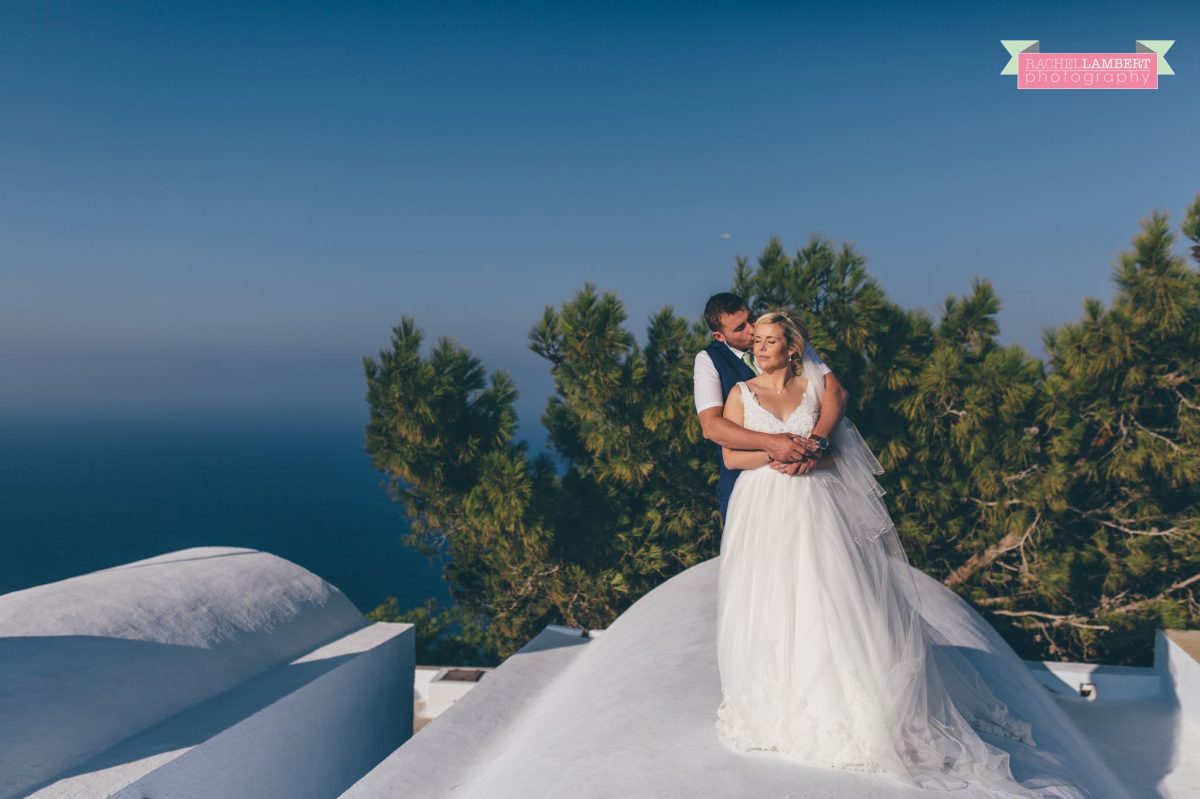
822 653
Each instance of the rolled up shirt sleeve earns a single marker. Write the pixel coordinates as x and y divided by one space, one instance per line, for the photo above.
706 383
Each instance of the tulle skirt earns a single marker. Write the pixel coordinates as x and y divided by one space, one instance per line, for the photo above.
823 657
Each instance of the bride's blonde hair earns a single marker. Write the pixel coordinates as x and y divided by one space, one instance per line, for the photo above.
795 335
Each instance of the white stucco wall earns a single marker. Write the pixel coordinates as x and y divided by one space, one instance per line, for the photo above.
308 728
1111 682
441 693
1181 670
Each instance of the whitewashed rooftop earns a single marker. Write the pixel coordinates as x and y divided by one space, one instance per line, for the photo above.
230 672
628 712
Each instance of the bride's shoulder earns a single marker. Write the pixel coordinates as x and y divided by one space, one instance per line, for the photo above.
748 385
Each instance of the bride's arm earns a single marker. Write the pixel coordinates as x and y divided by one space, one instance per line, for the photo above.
739 458
833 408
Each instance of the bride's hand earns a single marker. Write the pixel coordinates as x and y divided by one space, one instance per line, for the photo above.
823 461
787 468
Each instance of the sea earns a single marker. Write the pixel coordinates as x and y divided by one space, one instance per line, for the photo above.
80 494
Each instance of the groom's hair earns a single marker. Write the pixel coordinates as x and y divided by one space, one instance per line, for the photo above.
719 305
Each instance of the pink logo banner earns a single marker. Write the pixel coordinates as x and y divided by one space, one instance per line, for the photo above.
1087 71
1137 70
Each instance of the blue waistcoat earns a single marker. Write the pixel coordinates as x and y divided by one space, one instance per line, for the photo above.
732 371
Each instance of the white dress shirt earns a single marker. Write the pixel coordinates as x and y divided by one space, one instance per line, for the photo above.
706 382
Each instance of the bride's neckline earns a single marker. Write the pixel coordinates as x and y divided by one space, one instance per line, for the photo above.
791 413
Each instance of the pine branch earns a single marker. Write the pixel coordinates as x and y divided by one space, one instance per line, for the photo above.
1055 619
1021 475
1153 532
1141 603
981 560
1086 621
1160 437
1006 503
950 409
525 590
1185 402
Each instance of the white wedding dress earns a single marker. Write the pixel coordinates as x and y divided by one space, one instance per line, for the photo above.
823 656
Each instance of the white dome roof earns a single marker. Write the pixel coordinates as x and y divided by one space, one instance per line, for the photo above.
89 661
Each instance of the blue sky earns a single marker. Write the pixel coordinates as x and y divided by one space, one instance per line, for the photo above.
224 206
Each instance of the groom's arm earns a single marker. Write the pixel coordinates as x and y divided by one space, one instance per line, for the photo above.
740 458
730 435
833 408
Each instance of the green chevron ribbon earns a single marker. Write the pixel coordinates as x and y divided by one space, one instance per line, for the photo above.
1014 48
1159 46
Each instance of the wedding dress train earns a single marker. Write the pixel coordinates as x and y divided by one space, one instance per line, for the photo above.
822 655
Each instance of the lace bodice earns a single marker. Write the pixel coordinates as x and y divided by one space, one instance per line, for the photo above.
801 421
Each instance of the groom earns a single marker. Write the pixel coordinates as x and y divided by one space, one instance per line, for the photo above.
725 362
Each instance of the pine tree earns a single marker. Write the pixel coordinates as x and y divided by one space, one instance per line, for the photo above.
639 474
442 433
1119 493
525 545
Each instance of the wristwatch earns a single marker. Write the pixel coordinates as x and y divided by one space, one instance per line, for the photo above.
822 442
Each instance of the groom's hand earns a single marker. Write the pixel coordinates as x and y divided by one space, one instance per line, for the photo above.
789 448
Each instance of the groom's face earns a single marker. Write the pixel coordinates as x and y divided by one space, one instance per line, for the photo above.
736 330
